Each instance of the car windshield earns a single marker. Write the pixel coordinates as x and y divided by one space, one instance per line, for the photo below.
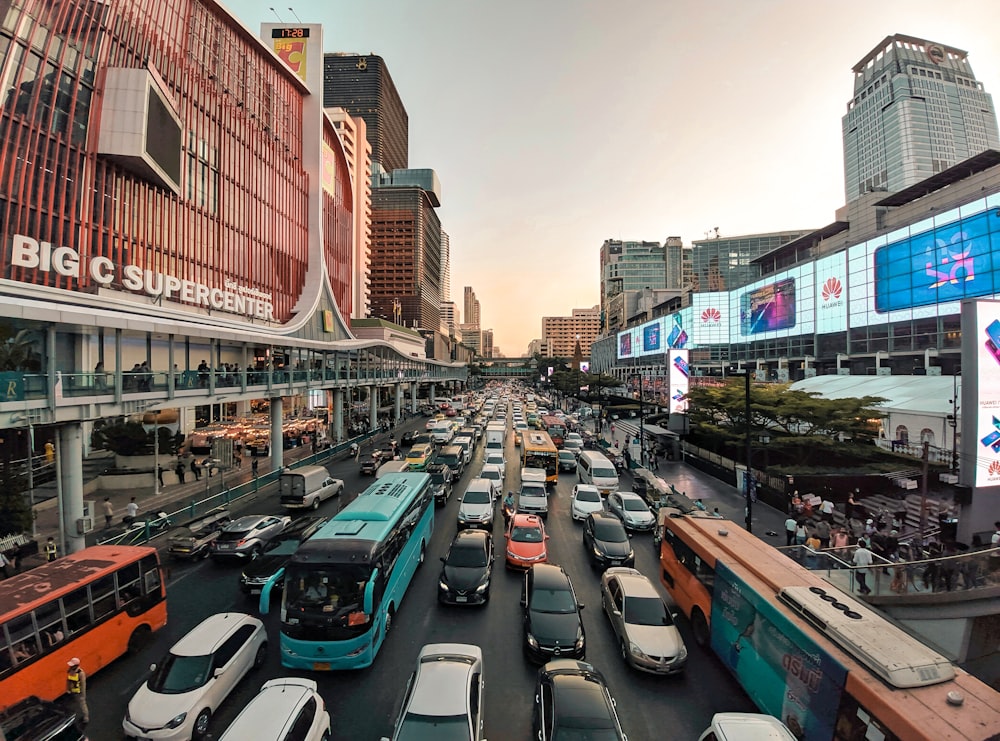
433 728
553 600
566 455
467 556
495 460
646 611
332 588
526 535
588 495
635 505
532 490
284 547
609 531
575 728
495 475
178 674
476 497
604 473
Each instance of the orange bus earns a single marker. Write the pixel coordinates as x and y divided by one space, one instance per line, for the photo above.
806 652
94 605
538 451
555 427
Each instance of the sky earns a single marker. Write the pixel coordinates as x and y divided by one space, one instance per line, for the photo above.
554 125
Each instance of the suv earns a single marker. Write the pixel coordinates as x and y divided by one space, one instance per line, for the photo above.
476 508
452 456
466 443
33 719
199 672
286 709
245 537
441 478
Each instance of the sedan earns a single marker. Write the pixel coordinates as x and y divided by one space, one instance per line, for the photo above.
567 461
632 510
277 552
647 636
476 508
494 475
444 697
245 537
495 458
586 498
606 542
552 624
526 542
465 575
572 700
406 439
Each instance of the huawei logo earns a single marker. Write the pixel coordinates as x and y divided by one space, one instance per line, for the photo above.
995 468
711 316
832 289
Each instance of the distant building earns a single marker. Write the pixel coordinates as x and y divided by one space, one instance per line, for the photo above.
471 307
917 110
472 337
487 349
722 263
564 331
449 318
540 347
630 266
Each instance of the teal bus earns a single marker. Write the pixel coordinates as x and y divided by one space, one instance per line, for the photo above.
343 585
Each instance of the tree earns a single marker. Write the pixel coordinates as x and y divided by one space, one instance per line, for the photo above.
131 438
15 510
17 351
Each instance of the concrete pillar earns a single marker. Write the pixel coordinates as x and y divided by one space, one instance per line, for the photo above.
338 416
373 407
70 471
277 439
414 388
397 411
433 393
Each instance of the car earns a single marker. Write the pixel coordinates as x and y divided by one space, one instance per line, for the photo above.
34 719
286 708
200 670
245 537
573 446
647 637
584 499
422 438
606 541
419 455
551 623
370 464
467 569
572 700
574 436
526 542
495 458
406 439
494 475
444 696
567 461
632 510
441 482
533 498
476 507
276 553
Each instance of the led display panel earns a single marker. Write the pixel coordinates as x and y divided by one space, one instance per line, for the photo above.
677 336
708 322
679 383
987 343
781 305
831 293
768 308
625 349
652 337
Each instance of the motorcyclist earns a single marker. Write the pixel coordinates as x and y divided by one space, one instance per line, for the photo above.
508 504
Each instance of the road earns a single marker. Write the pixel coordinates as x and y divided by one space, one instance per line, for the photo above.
363 704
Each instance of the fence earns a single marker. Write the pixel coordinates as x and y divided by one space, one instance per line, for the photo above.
770 489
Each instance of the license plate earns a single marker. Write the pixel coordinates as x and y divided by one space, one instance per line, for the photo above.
615 562
255 590
321 666
461 599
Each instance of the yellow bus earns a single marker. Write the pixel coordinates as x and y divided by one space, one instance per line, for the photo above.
817 658
94 605
538 451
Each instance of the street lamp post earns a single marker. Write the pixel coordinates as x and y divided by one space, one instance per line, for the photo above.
642 447
954 421
748 479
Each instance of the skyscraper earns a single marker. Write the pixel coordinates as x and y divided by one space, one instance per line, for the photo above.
917 110
362 86
471 307
563 332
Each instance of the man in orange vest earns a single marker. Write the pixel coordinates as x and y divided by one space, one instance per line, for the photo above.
76 687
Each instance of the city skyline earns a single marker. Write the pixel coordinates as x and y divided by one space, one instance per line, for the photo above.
540 123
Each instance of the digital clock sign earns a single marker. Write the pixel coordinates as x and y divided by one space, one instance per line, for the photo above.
289 33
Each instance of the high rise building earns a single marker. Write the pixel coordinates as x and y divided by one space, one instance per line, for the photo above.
722 263
445 267
917 109
487 350
630 266
362 86
564 331
472 337
471 307
449 318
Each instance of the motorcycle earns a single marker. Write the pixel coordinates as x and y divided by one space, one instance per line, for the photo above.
509 509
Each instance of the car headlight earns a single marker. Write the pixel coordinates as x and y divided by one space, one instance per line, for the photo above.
511 554
597 552
532 641
634 649
442 586
579 641
683 653
176 721
482 587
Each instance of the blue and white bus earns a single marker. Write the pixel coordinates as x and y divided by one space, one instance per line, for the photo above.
343 586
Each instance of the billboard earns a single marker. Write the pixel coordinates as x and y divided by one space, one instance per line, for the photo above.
768 308
781 305
987 399
680 372
831 293
709 319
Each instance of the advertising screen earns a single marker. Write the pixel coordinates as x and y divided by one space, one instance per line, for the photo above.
831 293
943 263
709 319
652 337
782 669
987 338
677 336
679 374
768 308
625 349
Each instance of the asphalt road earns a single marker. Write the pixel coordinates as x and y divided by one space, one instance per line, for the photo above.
363 704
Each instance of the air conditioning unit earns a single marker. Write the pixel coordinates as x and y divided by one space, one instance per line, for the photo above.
84 525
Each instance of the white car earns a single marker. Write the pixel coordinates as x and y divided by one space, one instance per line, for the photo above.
199 672
632 510
495 458
494 475
476 507
586 498
285 708
444 697
647 636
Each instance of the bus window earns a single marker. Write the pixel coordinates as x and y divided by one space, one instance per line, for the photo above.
77 609
21 631
50 625
151 575
102 594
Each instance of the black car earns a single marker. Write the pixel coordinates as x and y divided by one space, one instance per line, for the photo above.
422 437
572 701
441 481
553 627
276 553
606 542
37 720
465 576
406 439
370 464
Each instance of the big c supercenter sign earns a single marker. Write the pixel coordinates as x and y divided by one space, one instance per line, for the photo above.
44 257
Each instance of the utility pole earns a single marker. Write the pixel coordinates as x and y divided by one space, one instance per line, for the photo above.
923 487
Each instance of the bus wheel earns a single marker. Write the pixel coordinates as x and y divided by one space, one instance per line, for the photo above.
423 552
388 622
201 723
139 638
699 627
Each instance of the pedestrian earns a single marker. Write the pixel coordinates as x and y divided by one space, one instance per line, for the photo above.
823 533
826 509
100 379
76 687
159 474
790 525
238 459
50 452
995 540
180 471
800 532
131 510
109 512
851 507
195 470
254 464
51 550
862 560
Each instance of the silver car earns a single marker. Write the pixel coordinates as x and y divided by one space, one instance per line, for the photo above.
245 537
647 637
476 508
632 510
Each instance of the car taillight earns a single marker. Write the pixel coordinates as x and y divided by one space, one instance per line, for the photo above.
241 543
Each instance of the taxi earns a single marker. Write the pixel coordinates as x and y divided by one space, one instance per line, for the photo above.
526 542
419 456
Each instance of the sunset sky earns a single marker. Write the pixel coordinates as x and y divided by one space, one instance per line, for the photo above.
556 124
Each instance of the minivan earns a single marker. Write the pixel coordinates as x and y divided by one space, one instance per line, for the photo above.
452 456
594 468
466 443
442 431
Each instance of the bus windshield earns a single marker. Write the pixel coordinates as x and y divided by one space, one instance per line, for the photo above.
332 588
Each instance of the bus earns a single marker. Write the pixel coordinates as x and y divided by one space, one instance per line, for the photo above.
538 451
556 429
94 605
343 585
806 652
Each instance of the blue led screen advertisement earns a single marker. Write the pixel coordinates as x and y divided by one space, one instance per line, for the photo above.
677 338
946 263
652 336
783 670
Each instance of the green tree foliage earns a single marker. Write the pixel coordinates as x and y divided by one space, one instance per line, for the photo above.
15 511
131 438
17 351
802 426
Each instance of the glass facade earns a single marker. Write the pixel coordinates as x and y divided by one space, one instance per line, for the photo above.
727 262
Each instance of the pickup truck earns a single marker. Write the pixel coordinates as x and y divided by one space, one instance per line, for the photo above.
195 539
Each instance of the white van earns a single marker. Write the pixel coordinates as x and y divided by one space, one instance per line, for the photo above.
746 727
594 468
442 431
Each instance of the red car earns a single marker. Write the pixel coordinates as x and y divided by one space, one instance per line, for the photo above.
526 542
